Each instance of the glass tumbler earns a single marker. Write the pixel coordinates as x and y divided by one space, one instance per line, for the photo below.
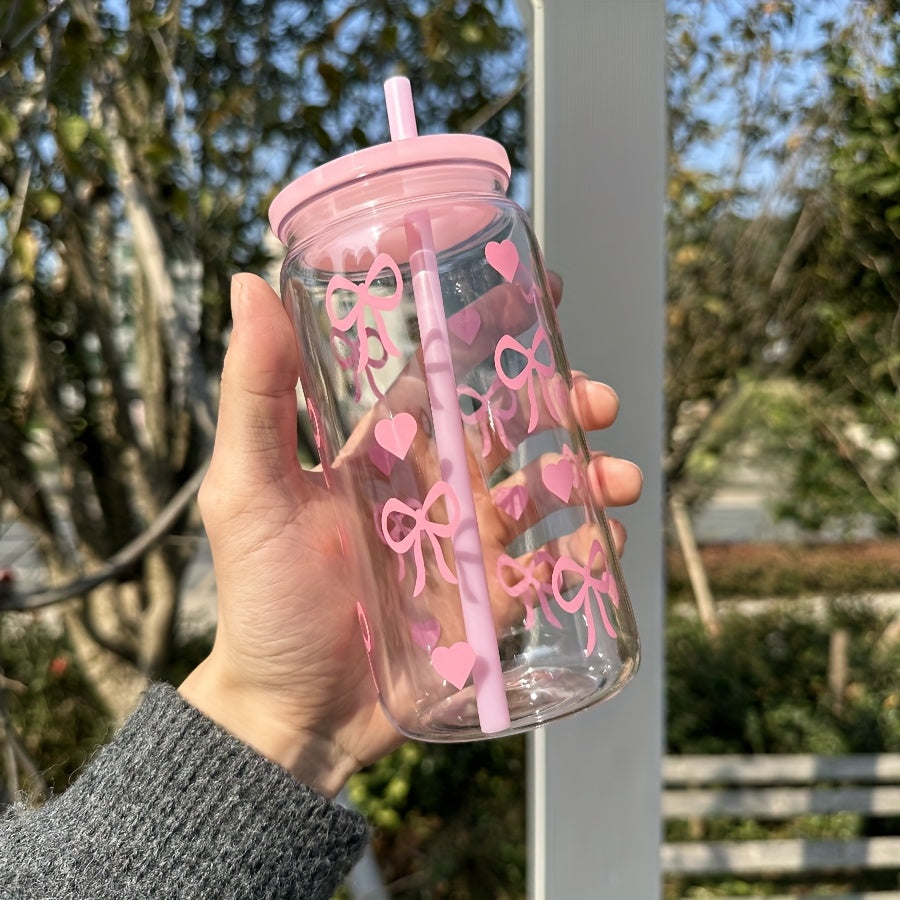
490 598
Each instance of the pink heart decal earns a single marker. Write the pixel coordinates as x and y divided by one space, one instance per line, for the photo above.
465 324
425 634
559 478
454 664
396 434
504 257
512 500
382 460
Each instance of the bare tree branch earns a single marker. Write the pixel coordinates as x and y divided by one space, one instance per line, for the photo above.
809 226
118 563
29 29
15 758
488 111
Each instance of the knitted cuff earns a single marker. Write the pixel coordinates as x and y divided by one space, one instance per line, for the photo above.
176 807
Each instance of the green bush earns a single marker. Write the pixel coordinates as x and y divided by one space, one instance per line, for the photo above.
762 686
51 705
450 819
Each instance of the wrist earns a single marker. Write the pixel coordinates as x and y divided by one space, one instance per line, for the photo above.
254 717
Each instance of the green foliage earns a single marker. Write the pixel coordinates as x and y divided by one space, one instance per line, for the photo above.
783 248
451 818
55 712
762 685
52 705
140 145
849 280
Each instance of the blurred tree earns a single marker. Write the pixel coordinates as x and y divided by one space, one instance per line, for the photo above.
140 143
735 105
734 92
842 270
784 330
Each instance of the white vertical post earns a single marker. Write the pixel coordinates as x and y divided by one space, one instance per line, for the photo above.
598 148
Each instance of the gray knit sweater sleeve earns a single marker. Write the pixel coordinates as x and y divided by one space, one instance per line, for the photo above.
174 807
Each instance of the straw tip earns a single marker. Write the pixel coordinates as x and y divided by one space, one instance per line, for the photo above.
400 109
395 82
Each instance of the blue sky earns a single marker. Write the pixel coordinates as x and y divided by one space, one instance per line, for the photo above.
794 82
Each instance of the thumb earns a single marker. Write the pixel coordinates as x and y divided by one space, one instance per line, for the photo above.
256 435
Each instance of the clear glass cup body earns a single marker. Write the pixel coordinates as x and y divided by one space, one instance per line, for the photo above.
490 598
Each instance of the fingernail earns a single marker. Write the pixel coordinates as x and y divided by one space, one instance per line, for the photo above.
610 389
582 382
237 298
617 465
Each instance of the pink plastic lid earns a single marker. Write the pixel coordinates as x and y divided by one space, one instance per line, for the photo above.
396 155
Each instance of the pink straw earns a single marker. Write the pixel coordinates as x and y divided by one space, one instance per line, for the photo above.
487 674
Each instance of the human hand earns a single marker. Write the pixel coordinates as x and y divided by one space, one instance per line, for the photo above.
288 672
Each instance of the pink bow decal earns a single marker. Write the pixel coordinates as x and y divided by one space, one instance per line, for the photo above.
398 529
605 584
347 354
491 410
528 583
366 300
534 368
422 525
